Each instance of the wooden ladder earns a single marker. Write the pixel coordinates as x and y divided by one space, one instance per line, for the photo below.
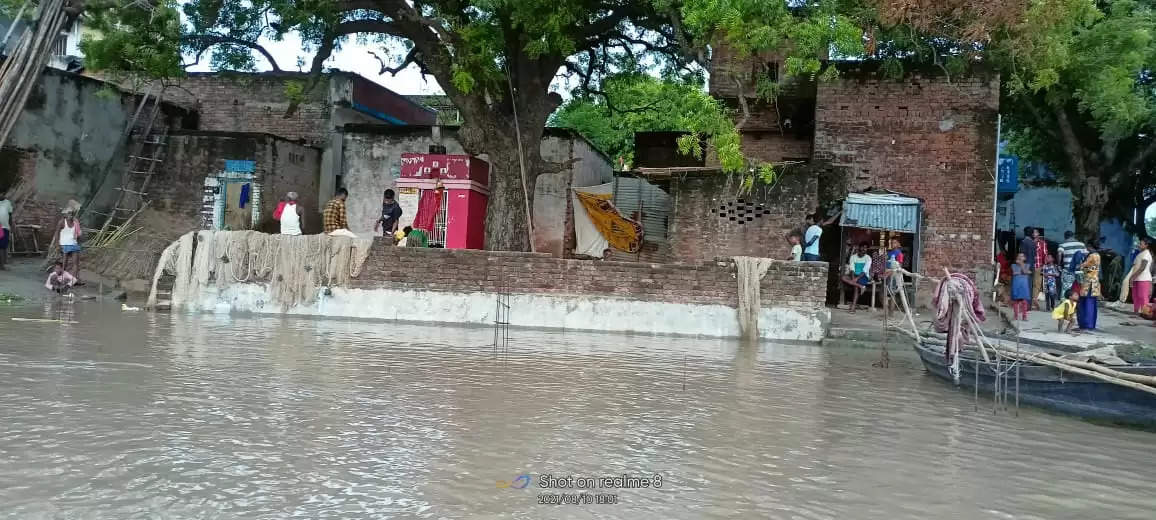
147 152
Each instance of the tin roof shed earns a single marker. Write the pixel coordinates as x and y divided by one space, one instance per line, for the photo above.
882 210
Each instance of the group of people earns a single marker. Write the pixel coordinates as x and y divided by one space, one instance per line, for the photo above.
67 236
865 264
1037 281
335 219
805 245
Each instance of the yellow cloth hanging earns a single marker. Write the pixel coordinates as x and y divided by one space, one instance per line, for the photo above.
622 233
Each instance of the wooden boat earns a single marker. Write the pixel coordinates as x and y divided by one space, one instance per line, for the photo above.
1032 374
1049 387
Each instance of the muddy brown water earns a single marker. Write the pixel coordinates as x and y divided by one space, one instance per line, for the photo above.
137 415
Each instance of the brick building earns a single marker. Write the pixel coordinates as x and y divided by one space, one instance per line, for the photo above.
203 173
259 102
925 135
67 141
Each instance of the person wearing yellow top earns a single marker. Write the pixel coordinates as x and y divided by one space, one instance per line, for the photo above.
1065 312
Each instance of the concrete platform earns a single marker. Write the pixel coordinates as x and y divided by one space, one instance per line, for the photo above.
1112 328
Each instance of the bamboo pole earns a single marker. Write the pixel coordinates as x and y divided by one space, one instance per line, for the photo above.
1035 358
1137 378
23 67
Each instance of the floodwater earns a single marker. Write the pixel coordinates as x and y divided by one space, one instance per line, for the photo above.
136 415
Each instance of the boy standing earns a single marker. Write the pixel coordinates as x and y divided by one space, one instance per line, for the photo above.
794 238
390 214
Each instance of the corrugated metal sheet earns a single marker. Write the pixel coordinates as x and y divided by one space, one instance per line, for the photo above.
633 195
878 214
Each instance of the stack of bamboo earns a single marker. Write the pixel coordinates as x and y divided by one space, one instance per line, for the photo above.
1139 382
21 71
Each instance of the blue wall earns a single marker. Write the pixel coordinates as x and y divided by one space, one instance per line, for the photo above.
1050 207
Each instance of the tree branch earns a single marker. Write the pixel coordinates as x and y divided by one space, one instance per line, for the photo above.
411 57
1044 124
1072 147
207 41
1142 156
742 102
697 54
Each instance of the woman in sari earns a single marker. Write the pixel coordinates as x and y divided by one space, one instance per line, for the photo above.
1086 310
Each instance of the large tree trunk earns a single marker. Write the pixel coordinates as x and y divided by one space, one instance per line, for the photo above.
1088 201
1089 195
507 225
507 218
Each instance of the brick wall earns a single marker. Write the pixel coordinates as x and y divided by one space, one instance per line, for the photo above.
18 168
702 208
280 166
191 158
922 136
797 285
728 65
772 146
256 103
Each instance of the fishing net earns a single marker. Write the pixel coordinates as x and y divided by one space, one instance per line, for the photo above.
292 267
749 271
166 265
184 257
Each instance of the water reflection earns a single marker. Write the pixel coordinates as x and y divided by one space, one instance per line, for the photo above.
267 417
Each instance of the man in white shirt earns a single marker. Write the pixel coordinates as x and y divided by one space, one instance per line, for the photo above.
857 272
814 232
5 229
811 239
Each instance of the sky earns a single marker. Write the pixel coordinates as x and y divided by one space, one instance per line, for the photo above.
352 57
355 57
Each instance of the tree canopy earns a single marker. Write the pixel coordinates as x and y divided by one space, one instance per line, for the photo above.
126 38
1083 100
638 102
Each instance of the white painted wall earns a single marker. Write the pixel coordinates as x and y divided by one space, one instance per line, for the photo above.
528 310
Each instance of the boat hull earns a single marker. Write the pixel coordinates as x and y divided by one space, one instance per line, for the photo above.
1048 387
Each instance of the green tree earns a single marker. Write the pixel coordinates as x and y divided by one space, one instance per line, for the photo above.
132 41
637 102
1080 93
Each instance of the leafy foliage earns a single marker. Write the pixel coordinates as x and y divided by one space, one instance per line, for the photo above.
640 103
131 41
1080 96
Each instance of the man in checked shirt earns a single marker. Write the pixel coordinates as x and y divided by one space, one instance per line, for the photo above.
334 214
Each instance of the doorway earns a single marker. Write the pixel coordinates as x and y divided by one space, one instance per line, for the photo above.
238 206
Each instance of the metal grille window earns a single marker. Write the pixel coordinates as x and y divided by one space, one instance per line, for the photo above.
438 238
60 46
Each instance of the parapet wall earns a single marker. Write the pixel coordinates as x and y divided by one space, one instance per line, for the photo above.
796 285
470 287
